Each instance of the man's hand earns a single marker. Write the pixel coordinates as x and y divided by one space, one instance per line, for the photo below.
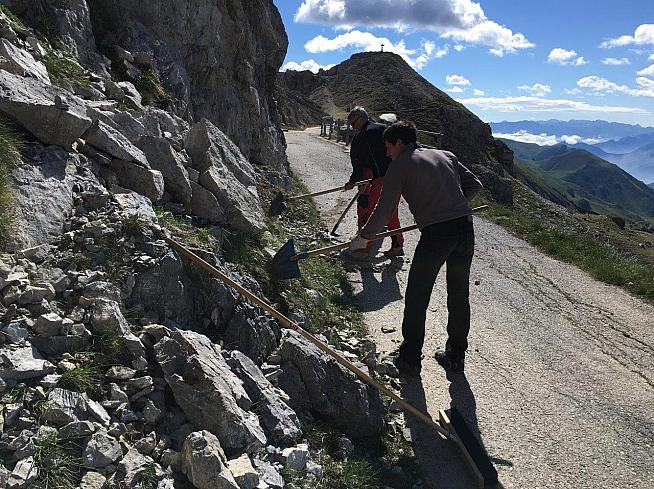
358 243
348 186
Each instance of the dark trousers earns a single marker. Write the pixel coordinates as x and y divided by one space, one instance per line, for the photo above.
453 243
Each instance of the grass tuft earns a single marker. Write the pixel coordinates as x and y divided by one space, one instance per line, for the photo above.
12 17
62 67
58 462
84 378
189 234
10 147
152 91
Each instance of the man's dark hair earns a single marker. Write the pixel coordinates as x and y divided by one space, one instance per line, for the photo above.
404 130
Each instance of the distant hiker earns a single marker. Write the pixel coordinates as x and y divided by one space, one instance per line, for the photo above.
438 189
369 160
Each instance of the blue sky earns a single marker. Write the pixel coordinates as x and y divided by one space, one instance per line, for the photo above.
503 59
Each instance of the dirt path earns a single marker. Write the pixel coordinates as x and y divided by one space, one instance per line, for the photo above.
560 372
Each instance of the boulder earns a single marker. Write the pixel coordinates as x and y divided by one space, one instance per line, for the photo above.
226 173
145 181
110 140
205 205
132 204
170 163
316 382
45 181
252 333
210 395
20 362
21 62
279 421
64 407
31 103
100 451
106 316
244 473
24 474
204 462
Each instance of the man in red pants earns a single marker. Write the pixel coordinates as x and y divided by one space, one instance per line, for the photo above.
369 161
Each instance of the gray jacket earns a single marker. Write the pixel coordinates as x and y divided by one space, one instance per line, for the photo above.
434 183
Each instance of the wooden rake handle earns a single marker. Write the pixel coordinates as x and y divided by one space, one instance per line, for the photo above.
345 212
376 237
322 346
328 191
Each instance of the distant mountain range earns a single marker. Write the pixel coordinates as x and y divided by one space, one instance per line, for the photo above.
577 178
631 147
585 129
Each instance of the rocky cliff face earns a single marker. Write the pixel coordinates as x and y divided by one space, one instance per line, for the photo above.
384 82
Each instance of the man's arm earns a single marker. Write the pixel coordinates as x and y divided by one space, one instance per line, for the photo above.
470 184
388 201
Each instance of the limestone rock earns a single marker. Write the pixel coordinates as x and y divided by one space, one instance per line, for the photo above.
279 420
204 462
21 62
20 362
209 393
106 316
92 480
170 163
316 382
100 451
145 181
226 173
244 473
64 407
32 104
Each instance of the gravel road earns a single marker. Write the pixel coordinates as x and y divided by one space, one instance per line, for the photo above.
559 377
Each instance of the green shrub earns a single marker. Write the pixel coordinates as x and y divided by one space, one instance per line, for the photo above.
12 17
149 85
63 67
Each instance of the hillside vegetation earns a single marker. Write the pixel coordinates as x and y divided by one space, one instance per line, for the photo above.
579 179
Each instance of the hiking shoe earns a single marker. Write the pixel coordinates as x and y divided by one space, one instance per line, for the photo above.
394 251
407 368
450 363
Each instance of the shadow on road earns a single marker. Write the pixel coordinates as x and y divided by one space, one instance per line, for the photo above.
377 292
442 465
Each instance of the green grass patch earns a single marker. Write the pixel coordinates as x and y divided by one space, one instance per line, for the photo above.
111 347
58 461
152 91
185 230
12 17
63 67
86 377
597 258
10 146
147 478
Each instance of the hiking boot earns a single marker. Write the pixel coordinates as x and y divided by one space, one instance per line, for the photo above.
450 363
407 368
394 251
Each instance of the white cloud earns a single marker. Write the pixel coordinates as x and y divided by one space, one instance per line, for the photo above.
564 57
651 57
525 137
603 86
544 139
537 89
499 39
615 61
573 91
649 71
456 80
308 64
461 47
366 41
478 93
461 20
644 35
455 89
540 104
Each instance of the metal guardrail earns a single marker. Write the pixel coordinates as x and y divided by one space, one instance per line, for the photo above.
339 129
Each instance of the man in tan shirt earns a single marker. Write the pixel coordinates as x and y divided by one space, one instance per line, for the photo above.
438 189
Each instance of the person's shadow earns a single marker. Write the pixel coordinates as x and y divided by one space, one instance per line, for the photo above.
442 464
376 293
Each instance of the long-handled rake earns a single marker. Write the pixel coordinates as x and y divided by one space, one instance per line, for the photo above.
285 265
278 204
472 451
